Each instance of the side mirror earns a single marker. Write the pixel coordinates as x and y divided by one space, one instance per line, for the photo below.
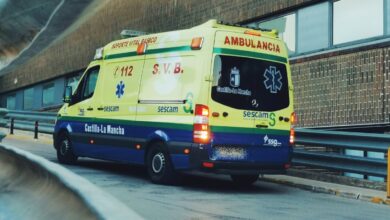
68 94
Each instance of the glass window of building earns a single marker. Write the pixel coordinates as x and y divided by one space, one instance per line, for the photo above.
11 102
28 99
387 18
286 28
313 28
48 95
357 19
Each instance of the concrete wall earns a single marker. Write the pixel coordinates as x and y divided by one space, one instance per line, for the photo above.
108 18
339 89
334 88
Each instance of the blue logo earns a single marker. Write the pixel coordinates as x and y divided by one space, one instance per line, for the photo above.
120 89
273 80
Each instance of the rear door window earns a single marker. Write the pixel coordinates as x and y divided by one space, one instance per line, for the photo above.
250 84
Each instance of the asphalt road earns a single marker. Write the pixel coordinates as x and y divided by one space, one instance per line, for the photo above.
207 196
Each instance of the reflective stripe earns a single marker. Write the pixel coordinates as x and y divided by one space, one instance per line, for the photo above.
148 52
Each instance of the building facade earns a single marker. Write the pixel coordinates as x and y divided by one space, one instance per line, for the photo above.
339 51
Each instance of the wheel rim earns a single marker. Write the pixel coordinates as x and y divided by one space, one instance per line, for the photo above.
158 162
64 147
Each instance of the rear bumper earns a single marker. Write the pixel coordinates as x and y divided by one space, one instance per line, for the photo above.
200 155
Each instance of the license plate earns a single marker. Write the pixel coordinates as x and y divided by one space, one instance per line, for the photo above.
230 153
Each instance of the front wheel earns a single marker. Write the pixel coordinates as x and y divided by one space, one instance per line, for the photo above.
65 153
244 180
159 165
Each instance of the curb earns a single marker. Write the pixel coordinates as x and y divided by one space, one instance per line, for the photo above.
330 191
100 203
30 138
343 180
27 136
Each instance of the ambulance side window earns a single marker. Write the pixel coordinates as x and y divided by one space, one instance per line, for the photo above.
87 85
90 84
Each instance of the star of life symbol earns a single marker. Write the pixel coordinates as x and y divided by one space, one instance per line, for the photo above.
273 80
235 77
120 89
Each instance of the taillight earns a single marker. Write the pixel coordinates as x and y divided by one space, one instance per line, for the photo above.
201 110
293 118
208 164
292 136
201 133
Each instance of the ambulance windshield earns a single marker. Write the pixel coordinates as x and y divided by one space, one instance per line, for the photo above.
250 84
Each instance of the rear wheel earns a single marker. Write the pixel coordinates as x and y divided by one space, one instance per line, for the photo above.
244 180
65 153
159 165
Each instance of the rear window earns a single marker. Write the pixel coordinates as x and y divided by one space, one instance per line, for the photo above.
250 84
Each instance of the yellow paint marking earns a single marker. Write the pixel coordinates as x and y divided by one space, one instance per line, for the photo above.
24 137
377 200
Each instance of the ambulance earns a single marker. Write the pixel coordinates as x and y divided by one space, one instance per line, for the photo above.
214 98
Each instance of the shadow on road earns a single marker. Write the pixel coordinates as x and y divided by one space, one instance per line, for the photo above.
223 184
113 167
190 181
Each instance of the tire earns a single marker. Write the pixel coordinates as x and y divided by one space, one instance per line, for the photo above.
64 148
159 165
244 180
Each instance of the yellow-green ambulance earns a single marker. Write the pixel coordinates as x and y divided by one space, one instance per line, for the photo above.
214 98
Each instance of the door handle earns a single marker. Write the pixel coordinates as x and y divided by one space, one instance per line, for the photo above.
100 108
90 109
261 126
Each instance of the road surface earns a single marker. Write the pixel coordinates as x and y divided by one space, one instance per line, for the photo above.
206 196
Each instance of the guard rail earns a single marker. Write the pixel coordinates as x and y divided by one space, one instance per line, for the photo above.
38 122
44 122
3 112
342 141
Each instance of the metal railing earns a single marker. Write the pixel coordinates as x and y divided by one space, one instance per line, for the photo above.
341 141
339 161
43 122
3 122
2 135
38 122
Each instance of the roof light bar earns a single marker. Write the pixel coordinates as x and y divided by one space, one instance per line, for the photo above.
99 54
247 26
141 49
253 32
197 43
132 33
